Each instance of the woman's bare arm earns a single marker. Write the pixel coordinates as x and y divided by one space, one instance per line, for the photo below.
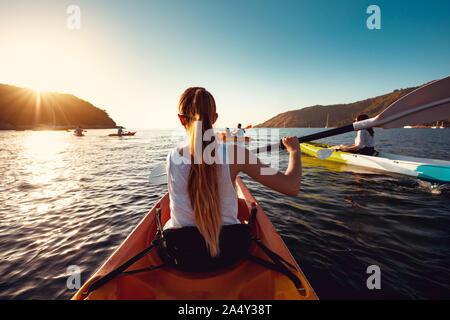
349 148
287 183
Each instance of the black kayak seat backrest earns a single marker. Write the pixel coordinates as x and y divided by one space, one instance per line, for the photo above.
184 248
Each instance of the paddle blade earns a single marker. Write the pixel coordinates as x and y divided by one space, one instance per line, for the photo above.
158 175
440 112
324 154
426 104
248 127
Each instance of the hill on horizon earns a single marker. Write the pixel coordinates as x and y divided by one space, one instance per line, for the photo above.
23 108
336 115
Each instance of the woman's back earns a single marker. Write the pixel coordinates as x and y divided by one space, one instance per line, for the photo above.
202 193
178 169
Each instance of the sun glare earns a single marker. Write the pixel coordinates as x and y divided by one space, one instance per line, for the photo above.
38 99
46 149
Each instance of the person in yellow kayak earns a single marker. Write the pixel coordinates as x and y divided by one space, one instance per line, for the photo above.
202 192
364 141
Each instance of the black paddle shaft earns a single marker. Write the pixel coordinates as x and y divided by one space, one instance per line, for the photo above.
311 137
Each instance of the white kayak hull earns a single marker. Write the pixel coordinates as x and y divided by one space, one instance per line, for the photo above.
428 169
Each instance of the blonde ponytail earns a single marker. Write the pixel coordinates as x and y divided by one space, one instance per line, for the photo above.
198 107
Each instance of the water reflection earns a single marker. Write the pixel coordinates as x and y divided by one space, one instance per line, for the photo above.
71 201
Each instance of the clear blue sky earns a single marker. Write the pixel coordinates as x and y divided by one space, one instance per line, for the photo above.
258 58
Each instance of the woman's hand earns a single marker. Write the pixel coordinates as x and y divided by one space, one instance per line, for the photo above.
291 144
341 147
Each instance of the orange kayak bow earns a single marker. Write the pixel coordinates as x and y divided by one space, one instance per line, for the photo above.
245 280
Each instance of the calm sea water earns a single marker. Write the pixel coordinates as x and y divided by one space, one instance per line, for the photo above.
67 200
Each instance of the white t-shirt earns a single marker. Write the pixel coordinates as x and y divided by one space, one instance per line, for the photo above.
364 139
181 212
240 133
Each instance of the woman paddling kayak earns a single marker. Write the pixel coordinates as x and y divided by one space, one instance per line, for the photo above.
213 239
202 192
364 141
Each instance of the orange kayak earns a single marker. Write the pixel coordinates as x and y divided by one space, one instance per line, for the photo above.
233 139
245 280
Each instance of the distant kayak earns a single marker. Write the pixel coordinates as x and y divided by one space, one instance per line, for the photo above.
224 138
78 135
244 280
234 139
428 169
123 134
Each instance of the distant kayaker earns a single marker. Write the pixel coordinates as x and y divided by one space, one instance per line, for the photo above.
79 131
203 193
228 133
240 132
364 141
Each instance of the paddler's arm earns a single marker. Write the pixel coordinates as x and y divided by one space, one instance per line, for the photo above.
349 148
287 183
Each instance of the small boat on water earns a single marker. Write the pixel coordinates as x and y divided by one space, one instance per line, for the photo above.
437 126
424 168
122 134
236 139
224 138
